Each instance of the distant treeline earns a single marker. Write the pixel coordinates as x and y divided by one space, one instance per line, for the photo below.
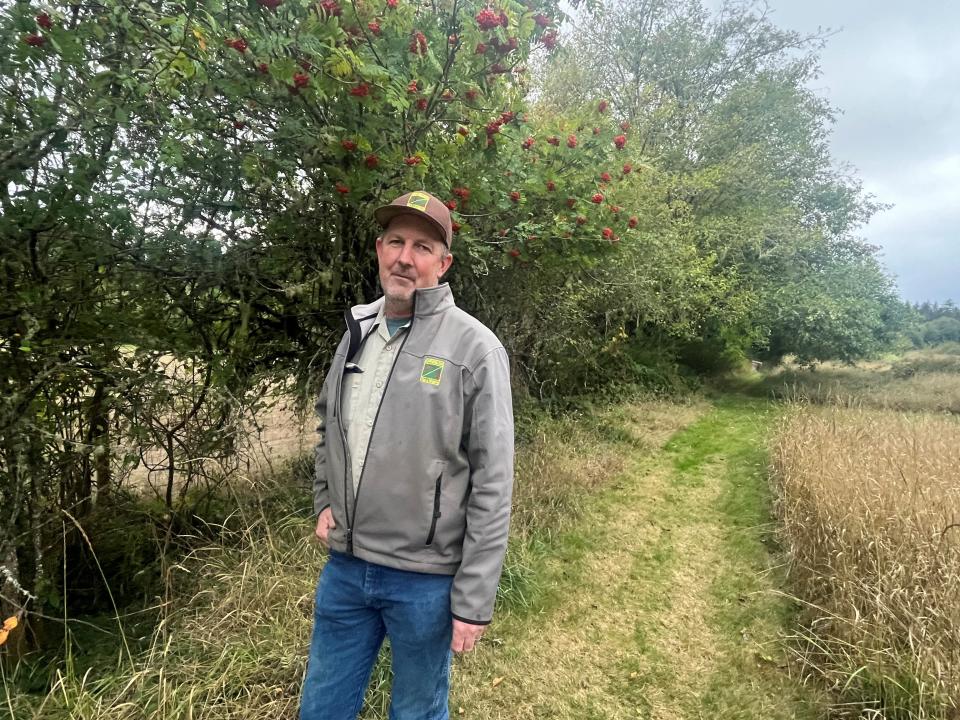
934 323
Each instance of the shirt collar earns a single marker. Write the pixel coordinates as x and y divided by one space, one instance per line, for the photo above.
380 325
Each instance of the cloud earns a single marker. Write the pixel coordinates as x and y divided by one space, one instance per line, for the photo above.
891 71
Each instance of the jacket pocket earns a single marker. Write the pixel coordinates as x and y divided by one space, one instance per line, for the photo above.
436 511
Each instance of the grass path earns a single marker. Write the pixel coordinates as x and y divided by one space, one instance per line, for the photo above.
661 604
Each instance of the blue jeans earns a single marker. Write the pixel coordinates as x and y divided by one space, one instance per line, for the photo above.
357 604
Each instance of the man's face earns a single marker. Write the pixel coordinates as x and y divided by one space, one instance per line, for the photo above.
411 255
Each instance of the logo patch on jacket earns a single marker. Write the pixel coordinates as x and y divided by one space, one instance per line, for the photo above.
432 371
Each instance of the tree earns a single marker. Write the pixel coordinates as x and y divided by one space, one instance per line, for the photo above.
187 194
722 109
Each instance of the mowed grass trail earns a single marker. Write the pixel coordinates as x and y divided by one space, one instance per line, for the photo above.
663 603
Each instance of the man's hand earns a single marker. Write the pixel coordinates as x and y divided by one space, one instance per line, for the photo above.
325 524
465 636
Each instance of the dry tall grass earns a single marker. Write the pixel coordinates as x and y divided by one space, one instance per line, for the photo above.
236 626
870 503
920 380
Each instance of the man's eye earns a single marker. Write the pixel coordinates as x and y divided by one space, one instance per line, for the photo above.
423 248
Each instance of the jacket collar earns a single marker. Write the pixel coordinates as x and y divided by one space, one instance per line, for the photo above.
426 301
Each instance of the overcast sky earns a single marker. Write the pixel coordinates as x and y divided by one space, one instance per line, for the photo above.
893 70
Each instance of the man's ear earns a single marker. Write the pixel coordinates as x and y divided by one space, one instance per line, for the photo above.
445 265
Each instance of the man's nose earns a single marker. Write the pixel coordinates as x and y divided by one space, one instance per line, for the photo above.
406 254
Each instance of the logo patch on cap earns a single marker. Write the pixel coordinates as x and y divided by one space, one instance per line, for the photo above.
419 201
432 371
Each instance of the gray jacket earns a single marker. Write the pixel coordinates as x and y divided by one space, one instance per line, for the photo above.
434 493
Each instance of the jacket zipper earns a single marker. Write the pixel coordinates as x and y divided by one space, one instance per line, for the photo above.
386 385
436 511
346 455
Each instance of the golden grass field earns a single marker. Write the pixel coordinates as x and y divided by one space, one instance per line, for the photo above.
870 505
927 380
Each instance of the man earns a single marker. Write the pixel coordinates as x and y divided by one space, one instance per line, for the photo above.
414 472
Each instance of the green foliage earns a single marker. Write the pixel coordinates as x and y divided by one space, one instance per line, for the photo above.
722 108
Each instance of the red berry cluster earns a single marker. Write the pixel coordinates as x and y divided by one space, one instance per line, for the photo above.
371 161
602 106
238 44
451 204
462 193
571 141
413 160
488 19
392 4
627 168
620 141
515 196
421 104
412 87
300 80
550 39
418 43
34 40
341 188
374 27
542 20
597 198
553 140
605 176
528 143
551 185
632 222
44 21
360 90
447 95
471 95
348 145
331 8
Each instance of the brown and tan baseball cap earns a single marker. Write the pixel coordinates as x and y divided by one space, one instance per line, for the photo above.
422 204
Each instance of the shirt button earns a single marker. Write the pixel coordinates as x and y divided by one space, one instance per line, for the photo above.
369 423
379 383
